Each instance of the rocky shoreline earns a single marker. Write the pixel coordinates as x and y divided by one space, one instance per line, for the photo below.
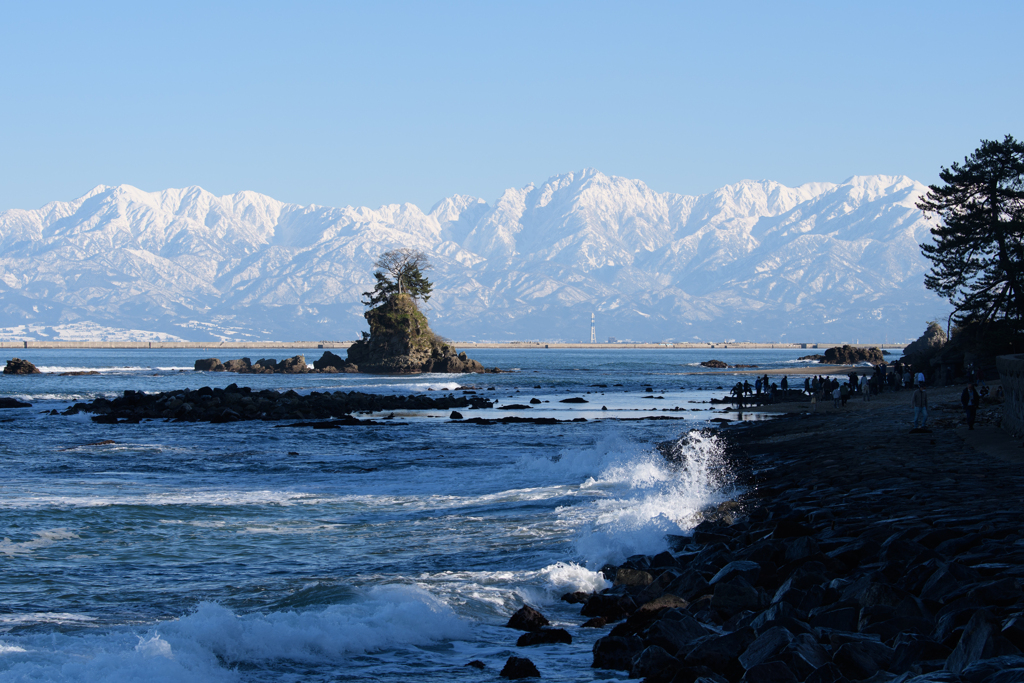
859 552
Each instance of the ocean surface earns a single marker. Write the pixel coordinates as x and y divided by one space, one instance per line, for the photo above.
253 551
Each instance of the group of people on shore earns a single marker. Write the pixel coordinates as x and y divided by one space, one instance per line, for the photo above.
883 378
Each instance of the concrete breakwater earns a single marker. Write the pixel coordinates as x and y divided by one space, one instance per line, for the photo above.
467 345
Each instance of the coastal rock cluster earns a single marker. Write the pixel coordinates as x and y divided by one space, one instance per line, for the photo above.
17 366
328 363
234 404
847 570
848 355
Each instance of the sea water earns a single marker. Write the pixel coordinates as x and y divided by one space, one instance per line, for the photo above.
258 551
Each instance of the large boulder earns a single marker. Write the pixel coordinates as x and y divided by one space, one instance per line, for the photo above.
852 355
240 365
920 352
293 366
401 342
332 362
17 366
7 402
209 365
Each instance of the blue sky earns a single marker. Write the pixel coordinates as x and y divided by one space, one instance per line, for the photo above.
373 103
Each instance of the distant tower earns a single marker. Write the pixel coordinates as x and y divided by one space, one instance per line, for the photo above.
593 330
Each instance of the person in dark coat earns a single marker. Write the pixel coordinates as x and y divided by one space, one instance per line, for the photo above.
969 400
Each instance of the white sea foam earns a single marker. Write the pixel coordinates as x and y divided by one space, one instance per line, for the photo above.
110 369
216 498
41 540
640 497
208 644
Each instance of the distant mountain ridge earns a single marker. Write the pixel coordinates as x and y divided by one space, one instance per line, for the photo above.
753 260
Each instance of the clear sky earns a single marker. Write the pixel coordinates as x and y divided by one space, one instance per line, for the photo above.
369 103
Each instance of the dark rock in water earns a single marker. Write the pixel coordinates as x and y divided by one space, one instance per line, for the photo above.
576 597
574 399
234 403
519 667
817 357
79 373
714 364
612 607
516 406
7 402
477 664
527 619
596 622
632 577
654 663
616 652
209 365
17 366
456 415
240 365
401 342
851 355
545 636
293 366
329 360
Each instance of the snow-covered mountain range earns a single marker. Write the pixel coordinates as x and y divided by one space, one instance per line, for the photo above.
751 261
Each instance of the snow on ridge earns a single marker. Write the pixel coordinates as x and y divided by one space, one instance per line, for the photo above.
535 262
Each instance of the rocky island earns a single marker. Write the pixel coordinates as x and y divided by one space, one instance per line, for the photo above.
400 340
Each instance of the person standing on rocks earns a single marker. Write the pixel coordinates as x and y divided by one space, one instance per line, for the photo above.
784 384
757 386
969 400
920 403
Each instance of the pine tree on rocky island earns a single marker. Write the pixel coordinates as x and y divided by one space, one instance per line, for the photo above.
400 339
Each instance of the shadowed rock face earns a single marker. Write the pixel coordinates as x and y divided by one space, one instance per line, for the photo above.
401 342
851 355
17 366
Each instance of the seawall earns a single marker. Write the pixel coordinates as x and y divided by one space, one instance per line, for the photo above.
461 345
1011 374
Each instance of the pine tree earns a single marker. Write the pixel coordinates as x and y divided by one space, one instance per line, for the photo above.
399 271
978 252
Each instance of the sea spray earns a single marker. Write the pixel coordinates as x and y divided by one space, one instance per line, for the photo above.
641 496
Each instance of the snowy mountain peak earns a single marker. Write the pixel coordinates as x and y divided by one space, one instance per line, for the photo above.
839 260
